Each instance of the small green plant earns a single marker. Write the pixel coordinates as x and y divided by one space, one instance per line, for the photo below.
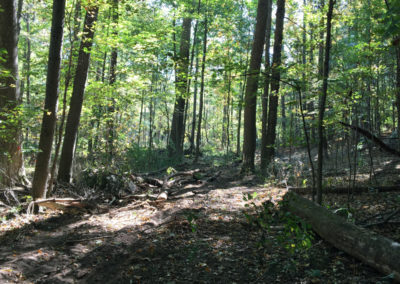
15 210
191 217
170 170
346 213
296 235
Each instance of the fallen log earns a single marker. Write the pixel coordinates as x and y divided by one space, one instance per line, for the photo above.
345 190
148 180
171 179
377 251
372 138
60 204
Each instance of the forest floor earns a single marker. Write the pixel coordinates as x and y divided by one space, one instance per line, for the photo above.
199 236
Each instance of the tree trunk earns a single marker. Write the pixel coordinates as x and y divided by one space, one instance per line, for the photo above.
192 145
177 127
73 36
250 98
375 250
51 101
398 91
28 68
113 77
275 80
193 54
74 115
266 89
322 102
140 119
201 102
11 163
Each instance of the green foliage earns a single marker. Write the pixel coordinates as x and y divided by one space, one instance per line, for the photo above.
296 235
347 213
191 217
142 159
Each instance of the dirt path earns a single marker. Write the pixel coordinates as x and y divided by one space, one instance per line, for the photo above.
203 238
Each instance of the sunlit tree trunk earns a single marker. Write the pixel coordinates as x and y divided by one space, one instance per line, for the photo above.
113 77
51 101
250 99
73 37
177 127
265 95
192 145
275 81
74 115
201 102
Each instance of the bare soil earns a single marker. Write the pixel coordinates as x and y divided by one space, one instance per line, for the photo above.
198 237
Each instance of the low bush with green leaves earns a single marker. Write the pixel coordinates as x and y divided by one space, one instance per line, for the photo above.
296 235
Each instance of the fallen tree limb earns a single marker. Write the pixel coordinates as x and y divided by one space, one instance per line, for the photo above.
377 251
344 190
373 138
149 180
60 204
167 183
384 221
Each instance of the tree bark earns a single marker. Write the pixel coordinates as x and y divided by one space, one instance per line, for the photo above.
192 145
177 128
51 101
201 102
73 37
11 163
377 251
322 102
275 80
398 90
250 98
266 89
71 130
113 77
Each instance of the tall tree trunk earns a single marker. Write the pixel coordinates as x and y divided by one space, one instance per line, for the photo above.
51 101
113 77
28 67
140 119
322 101
250 107
228 103
177 128
275 81
192 145
74 115
398 91
11 163
266 89
19 15
242 91
201 103
73 37
193 53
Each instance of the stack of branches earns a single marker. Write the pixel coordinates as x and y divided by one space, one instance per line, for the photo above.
169 184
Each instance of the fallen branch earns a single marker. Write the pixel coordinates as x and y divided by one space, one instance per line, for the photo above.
141 180
384 221
167 183
373 138
369 247
60 204
345 190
